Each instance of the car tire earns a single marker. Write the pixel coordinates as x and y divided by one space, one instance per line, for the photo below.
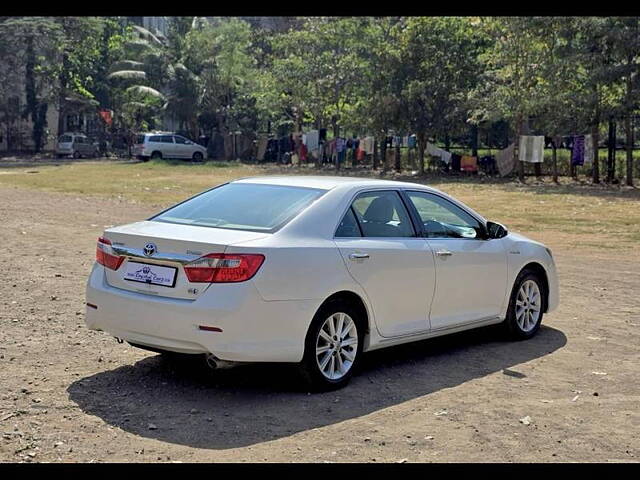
337 356
156 155
526 306
198 157
76 154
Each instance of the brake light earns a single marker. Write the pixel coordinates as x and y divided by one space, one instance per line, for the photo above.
223 267
105 256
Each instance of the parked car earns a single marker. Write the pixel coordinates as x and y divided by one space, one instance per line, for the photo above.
77 145
167 145
316 271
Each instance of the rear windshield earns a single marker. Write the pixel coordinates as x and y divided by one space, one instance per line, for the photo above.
243 206
65 139
139 139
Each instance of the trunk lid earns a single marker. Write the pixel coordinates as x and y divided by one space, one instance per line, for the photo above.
170 247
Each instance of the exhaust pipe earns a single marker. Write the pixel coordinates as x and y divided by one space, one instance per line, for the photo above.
214 363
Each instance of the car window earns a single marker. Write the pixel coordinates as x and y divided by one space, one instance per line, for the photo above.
382 214
443 219
155 138
139 139
348 226
180 140
166 139
243 206
79 140
66 139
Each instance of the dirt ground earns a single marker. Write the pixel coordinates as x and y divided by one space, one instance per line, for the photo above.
67 394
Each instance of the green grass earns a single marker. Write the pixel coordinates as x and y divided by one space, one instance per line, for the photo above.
154 182
570 214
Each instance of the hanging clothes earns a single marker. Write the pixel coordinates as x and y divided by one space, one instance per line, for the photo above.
360 153
455 162
262 148
303 153
340 145
312 138
367 145
577 152
432 150
469 163
412 141
506 161
531 149
446 157
588 149
331 147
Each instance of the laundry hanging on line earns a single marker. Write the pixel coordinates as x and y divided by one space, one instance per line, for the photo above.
531 149
506 161
588 149
577 152
469 163
438 152
311 140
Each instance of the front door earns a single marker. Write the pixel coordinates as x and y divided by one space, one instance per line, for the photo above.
182 149
471 271
389 260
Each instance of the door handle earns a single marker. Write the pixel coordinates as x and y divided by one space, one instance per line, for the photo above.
358 256
444 253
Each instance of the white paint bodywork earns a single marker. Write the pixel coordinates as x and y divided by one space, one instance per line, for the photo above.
409 292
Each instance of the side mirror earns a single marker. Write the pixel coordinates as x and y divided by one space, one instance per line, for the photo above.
496 230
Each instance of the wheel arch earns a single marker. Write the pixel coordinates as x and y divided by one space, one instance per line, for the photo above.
355 300
541 272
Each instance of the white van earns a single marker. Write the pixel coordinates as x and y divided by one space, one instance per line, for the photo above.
76 144
167 145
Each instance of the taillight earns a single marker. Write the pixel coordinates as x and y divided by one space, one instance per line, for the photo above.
105 256
223 267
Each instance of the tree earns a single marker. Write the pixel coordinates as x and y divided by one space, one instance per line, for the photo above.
441 55
39 41
219 54
625 40
137 81
378 104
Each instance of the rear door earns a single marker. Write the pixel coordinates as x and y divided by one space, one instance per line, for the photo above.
86 147
471 270
167 146
394 266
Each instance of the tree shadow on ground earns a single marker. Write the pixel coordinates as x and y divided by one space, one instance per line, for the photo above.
252 404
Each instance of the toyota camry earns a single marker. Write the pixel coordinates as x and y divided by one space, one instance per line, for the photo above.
314 271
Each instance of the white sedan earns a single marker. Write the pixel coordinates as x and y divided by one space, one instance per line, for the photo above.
316 271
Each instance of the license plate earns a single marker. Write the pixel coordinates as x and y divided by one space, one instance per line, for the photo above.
152 274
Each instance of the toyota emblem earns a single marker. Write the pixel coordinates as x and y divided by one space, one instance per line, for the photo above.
149 249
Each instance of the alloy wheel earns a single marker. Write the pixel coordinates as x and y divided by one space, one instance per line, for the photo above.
528 305
336 346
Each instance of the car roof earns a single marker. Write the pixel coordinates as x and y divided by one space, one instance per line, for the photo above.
327 182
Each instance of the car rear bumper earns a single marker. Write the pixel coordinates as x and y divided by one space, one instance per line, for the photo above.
253 330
